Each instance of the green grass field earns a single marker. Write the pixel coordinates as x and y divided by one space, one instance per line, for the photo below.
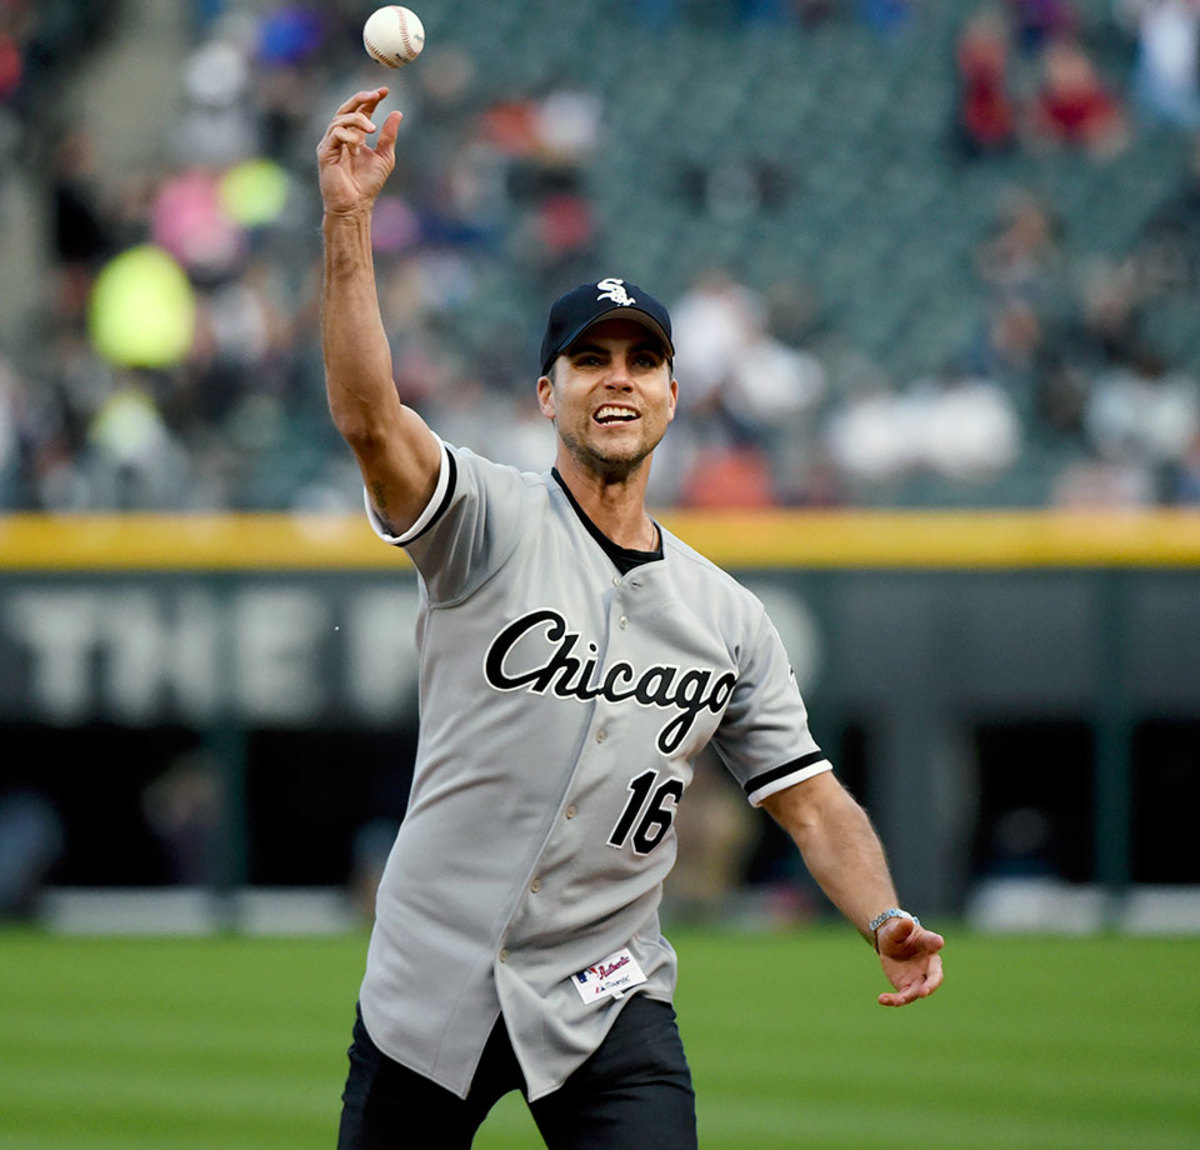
239 1044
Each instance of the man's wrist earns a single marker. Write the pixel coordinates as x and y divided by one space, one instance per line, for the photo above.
884 917
353 216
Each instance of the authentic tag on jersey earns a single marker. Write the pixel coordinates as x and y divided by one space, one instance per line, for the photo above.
613 975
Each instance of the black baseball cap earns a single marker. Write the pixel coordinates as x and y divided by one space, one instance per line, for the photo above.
572 314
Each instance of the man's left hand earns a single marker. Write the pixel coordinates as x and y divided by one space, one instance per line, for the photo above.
910 959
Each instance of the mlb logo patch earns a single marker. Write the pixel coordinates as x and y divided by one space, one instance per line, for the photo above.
613 975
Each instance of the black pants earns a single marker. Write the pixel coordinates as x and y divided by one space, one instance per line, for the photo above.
635 1091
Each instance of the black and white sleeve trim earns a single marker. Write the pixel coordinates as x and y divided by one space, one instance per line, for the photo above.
442 494
780 778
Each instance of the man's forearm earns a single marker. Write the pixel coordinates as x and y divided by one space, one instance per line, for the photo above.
358 360
840 848
846 858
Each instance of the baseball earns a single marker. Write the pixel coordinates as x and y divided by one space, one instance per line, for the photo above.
394 36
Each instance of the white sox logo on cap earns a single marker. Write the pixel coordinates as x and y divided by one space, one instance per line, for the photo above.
614 289
572 314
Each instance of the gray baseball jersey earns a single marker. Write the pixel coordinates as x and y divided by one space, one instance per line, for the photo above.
561 704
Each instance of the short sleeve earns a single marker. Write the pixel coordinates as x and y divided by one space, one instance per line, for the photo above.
764 738
434 508
470 526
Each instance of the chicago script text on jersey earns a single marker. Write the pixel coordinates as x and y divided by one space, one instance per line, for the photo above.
691 691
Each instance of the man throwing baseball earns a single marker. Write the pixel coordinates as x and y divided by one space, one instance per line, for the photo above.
575 658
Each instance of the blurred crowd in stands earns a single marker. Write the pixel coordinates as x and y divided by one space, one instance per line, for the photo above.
176 363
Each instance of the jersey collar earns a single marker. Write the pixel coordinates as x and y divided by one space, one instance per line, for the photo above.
625 558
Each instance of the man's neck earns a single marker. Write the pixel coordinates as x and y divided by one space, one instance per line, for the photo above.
616 507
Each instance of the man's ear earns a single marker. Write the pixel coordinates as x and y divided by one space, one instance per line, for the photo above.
545 393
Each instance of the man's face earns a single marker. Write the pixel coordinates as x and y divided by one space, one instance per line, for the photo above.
611 397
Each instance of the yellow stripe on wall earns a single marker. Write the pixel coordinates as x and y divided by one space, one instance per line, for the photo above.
945 540
249 542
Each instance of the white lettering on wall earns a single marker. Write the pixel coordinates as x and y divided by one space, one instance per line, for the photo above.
59 629
161 650
137 652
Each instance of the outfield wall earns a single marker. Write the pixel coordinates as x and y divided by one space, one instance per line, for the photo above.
1012 695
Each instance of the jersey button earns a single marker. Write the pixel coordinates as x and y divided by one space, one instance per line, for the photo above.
504 955
601 736
536 885
571 811
622 622
616 580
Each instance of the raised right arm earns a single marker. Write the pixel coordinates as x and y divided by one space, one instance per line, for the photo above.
398 455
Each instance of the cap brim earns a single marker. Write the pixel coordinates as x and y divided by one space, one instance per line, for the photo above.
636 314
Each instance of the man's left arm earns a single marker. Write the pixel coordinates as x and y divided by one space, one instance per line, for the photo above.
843 853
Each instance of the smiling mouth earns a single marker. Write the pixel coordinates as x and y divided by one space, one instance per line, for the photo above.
613 414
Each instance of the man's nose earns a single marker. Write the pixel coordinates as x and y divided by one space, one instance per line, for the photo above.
619 374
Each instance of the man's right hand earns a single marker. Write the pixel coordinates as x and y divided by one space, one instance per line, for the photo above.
352 173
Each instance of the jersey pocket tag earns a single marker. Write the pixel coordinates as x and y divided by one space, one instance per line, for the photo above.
613 976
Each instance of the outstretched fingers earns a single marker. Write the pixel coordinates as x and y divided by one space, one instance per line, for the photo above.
351 129
365 101
352 172
352 122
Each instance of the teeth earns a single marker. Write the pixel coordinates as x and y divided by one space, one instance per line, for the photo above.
607 413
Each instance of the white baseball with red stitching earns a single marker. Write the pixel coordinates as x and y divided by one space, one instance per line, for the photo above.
394 36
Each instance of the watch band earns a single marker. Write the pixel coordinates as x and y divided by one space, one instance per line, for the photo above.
878 921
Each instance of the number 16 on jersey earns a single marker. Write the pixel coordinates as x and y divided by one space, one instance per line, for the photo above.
648 826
